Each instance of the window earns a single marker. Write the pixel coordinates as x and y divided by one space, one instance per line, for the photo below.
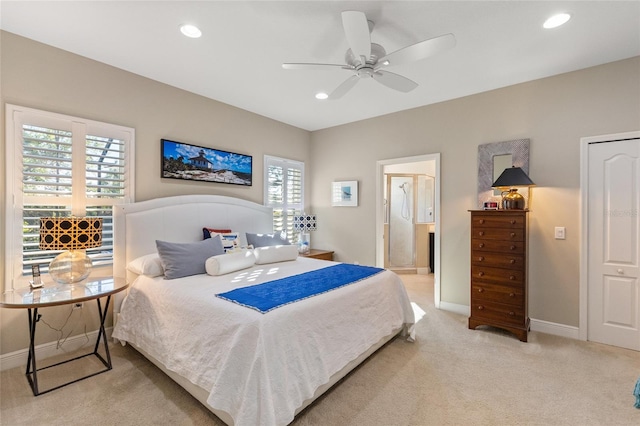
284 192
59 165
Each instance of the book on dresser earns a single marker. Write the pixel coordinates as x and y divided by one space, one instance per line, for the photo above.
499 270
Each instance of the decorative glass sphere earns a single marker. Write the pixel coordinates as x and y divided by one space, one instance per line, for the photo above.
70 267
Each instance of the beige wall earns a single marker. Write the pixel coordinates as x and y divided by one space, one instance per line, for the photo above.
553 112
39 76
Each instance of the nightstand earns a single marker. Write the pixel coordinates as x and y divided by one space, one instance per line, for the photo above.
319 254
63 294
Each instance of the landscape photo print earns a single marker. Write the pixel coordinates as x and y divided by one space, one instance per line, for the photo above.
192 162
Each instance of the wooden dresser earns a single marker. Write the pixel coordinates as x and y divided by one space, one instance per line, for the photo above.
499 270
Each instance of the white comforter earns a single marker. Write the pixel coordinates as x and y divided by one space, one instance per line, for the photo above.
260 367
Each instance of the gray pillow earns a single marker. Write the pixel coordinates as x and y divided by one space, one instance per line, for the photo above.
184 259
264 240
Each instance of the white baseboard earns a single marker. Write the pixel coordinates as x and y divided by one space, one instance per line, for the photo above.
541 326
556 329
423 271
454 307
46 350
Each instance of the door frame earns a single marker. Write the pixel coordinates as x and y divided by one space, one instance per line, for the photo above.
584 221
380 164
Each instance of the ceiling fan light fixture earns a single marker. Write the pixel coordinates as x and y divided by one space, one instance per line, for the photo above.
556 20
322 96
364 59
190 30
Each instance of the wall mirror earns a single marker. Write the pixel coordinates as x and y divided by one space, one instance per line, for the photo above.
493 158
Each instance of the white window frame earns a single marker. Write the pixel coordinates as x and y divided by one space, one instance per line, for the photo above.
285 163
15 118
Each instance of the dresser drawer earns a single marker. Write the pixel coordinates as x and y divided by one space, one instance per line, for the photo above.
498 234
497 275
479 245
497 220
484 292
500 260
498 313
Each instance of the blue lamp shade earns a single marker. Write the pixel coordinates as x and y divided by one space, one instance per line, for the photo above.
305 222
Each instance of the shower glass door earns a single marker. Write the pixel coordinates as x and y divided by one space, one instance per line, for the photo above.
400 199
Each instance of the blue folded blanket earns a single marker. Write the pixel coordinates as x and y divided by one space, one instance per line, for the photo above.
273 294
636 393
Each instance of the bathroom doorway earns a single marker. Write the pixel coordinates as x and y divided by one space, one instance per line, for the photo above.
408 221
421 170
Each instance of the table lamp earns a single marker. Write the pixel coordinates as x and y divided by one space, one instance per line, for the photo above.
507 182
73 234
303 224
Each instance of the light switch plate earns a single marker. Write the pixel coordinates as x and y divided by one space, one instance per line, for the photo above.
560 233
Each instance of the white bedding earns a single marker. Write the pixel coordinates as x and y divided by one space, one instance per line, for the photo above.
260 367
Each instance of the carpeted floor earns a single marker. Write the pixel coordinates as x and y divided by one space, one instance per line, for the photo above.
449 376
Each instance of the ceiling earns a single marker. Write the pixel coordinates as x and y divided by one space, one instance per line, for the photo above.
238 59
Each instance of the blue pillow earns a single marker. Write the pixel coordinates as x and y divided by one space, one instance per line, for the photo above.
265 240
184 259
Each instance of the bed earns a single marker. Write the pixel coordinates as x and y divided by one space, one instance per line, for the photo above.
249 367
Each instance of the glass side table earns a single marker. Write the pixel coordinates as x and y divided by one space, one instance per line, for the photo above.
63 294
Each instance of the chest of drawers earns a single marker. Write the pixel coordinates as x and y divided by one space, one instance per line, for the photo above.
499 270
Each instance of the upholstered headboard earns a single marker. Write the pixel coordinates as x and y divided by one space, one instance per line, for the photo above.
137 226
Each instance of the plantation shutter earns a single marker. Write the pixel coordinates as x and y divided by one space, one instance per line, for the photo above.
63 166
284 192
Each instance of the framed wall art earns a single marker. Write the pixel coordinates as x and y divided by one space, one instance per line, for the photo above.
344 194
197 163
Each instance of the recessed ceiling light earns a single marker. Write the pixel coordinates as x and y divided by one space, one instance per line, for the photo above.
321 95
190 30
556 20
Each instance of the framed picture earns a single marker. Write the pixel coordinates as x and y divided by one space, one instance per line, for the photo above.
192 162
344 194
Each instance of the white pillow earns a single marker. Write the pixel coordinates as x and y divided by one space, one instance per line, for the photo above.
273 254
229 262
149 265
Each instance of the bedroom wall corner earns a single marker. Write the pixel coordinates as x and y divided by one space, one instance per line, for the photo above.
70 84
554 112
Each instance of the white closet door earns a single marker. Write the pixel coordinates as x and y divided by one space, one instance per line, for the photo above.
614 243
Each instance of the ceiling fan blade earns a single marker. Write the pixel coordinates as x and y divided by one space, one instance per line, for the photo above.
344 87
310 66
394 81
418 51
356 28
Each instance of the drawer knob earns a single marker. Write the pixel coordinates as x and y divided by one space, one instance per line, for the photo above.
512 221
481 258
481 233
512 247
480 274
512 295
511 277
481 245
513 234
480 290
512 261
512 313
481 221
480 307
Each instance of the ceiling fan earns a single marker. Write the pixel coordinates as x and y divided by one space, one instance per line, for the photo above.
368 60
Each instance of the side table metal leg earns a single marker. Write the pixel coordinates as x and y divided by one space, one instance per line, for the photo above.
32 374
102 334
